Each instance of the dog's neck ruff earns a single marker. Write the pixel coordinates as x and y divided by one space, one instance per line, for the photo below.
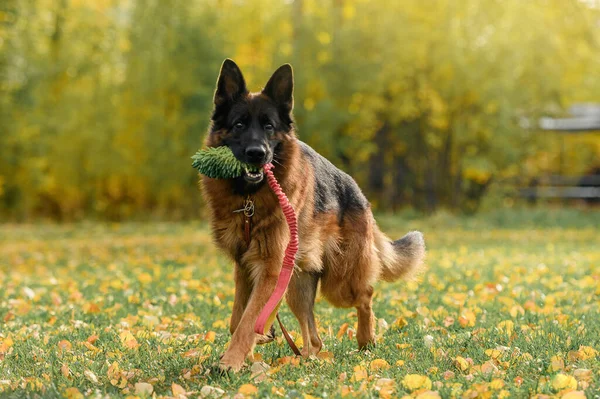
267 315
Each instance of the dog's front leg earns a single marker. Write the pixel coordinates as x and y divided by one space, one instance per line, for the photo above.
243 288
243 339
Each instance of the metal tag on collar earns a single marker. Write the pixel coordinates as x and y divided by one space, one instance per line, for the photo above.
248 208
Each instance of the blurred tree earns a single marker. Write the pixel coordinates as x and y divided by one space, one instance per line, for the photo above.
102 103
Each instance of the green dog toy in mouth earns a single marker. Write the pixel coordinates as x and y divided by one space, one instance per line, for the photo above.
220 163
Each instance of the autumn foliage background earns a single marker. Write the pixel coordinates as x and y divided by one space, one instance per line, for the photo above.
103 102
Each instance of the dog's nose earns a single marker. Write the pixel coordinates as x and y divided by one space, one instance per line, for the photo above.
256 153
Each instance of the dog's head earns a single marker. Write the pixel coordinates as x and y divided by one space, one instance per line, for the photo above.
253 125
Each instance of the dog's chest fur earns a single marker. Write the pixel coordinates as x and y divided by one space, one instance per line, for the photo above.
269 232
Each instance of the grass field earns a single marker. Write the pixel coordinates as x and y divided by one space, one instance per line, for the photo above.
509 306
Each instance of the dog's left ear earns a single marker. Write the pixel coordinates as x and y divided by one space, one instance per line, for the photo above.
280 88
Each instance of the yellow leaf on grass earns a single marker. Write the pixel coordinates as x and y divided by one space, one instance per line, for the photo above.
503 394
493 353
379 364
497 383
90 376
461 363
64 346
345 390
342 331
400 322
360 373
517 310
416 381
506 326
177 390
210 336
556 364
73 393
563 381
429 395
385 387
6 344
248 389
91 307
574 395
583 375
489 367
587 352
128 340
143 388
64 370
144 278
325 355
467 319
92 339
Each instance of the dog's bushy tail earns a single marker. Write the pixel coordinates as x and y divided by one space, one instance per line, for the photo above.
402 258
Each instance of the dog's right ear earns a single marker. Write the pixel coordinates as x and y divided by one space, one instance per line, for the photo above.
230 85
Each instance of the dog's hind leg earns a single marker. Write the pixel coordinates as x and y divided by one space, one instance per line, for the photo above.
365 334
301 299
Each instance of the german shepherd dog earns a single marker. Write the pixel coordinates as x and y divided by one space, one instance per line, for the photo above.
341 247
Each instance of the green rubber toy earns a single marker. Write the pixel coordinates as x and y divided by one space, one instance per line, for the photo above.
220 163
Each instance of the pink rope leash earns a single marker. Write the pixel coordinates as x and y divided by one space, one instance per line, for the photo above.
290 253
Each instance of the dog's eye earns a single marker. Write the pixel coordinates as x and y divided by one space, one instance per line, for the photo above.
269 128
238 126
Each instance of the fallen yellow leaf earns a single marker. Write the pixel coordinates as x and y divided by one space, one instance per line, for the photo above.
248 389
587 352
493 353
429 395
177 390
400 322
6 344
64 346
556 364
360 373
210 336
128 340
379 364
563 381
497 383
385 387
144 278
506 326
342 331
583 375
574 395
416 381
73 393
64 370
325 355
461 363
467 319
143 388
90 376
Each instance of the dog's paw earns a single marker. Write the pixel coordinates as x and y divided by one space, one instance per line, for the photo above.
231 363
266 338
216 370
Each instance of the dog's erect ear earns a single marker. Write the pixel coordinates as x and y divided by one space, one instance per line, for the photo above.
230 84
280 88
